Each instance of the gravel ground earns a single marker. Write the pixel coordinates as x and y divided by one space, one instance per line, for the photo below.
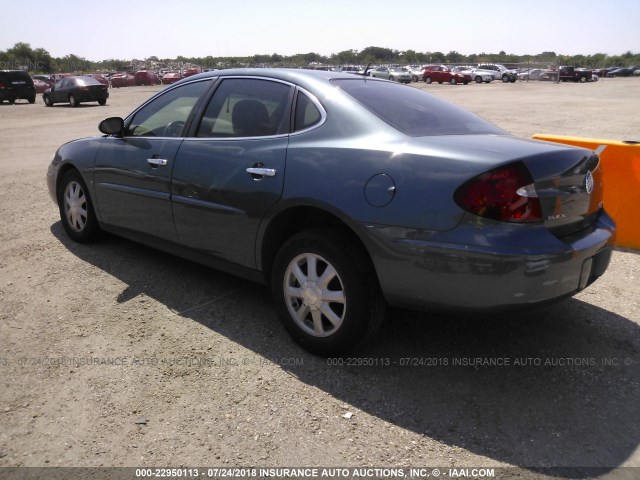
114 354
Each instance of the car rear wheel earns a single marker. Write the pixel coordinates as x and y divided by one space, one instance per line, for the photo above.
32 99
72 101
326 292
478 79
102 102
76 209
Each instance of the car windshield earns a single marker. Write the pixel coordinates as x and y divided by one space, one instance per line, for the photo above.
412 111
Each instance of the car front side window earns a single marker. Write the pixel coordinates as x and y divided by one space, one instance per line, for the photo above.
167 115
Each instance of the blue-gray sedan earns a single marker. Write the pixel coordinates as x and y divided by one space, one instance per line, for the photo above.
345 194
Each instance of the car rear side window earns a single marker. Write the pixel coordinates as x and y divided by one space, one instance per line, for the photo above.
247 107
412 111
307 114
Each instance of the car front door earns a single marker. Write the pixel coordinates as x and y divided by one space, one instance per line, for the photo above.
59 91
228 175
132 173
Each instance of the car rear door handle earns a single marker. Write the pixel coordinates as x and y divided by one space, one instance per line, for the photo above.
260 172
156 162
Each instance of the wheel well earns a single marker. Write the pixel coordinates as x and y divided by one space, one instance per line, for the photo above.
63 170
295 220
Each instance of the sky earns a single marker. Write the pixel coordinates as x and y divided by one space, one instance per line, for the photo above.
137 29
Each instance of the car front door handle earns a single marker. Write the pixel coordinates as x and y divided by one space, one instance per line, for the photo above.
259 173
157 162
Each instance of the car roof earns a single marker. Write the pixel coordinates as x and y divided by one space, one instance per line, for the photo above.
286 74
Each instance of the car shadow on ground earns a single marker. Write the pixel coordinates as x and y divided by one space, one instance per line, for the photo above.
555 388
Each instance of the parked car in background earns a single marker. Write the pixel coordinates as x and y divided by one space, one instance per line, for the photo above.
501 72
16 84
99 77
40 85
395 74
571 74
354 69
122 80
549 76
171 77
416 72
192 71
48 79
443 74
146 77
328 216
75 90
621 72
479 76
531 74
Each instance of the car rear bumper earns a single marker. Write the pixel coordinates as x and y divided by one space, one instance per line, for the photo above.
417 271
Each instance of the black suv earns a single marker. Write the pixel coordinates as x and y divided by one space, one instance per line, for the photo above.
15 84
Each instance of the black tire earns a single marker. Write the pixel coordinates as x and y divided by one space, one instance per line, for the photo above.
102 102
428 80
76 209
478 79
392 79
72 101
31 99
47 100
453 81
343 272
505 78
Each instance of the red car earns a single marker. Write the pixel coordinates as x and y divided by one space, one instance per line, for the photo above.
146 77
192 71
122 80
99 77
440 74
171 77
41 85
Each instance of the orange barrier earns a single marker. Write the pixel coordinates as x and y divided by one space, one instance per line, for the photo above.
621 177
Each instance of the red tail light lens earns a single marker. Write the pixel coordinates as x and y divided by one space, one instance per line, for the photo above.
495 195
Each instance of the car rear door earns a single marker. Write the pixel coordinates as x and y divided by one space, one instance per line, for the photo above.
132 173
228 175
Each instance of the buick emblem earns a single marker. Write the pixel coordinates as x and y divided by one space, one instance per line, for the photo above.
588 183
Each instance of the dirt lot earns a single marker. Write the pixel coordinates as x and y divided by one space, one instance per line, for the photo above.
117 355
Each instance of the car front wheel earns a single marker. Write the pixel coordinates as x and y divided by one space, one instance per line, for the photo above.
76 209
326 292
72 101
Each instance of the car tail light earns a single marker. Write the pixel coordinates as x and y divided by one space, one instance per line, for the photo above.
505 193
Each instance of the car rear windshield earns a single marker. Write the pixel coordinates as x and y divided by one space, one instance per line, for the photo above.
86 81
413 111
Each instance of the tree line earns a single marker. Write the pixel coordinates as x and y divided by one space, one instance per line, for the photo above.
39 60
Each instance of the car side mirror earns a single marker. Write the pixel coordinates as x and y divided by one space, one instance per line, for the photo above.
112 126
